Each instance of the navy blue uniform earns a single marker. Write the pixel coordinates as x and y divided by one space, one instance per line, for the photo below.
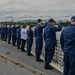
18 36
9 35
14 28
50 38
39 39
5 32
68 46
2 32
29 40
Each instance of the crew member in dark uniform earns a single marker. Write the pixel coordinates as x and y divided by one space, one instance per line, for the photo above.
50 39
9 34
29 40
14 29
5 32
18 36
2 32
38 31
67 41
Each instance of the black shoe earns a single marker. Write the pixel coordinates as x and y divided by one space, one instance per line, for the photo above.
23 50
5 40
13 45
9 43
30 54
18 48
39 60
2 39
47 66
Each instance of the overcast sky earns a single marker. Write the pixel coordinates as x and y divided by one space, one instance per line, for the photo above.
33 9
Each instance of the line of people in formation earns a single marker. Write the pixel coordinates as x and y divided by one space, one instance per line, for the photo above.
24 35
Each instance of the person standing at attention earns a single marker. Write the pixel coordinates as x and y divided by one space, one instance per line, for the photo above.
9 34
29 40
38 32
23 38
67 42
18 37
13 33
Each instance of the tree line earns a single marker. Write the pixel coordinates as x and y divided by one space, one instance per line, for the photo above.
64 24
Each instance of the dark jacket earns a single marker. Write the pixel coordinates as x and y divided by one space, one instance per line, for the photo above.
18 32
2 29
50 34
9 31
38 31
30 34
5 30
67 39
14 29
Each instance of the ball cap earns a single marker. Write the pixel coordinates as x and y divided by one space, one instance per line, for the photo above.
51 20
72 18
39 20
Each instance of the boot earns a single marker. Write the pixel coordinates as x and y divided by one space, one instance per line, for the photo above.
47 66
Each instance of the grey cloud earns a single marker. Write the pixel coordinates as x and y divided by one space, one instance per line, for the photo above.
36 8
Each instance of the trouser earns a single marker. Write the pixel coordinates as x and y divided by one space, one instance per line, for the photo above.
5 37
2 36
29 46
39 44
18 42
9 39
49 53
23 42
13 39
69 64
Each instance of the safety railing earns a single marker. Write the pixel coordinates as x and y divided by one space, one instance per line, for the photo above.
58 56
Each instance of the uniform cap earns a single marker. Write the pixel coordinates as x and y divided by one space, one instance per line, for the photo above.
51 20
39 20
72 18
